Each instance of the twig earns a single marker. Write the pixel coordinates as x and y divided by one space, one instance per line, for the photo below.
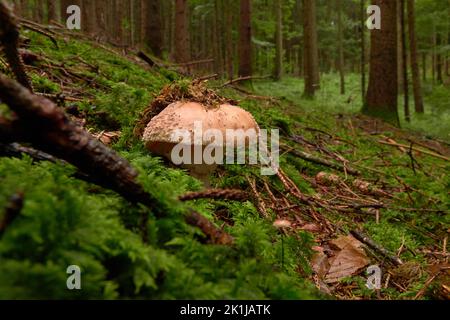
425 286
372 244
240 79
311 158
398 145
261 206
42 32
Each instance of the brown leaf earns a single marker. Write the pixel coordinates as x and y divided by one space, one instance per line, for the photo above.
349 260
320 264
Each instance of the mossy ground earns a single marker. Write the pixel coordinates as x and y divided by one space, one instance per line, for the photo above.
65 221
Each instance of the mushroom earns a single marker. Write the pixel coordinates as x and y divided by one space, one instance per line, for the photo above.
177 126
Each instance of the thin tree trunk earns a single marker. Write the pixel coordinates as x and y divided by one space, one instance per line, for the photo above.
182 39
424 66
153 32
51 9
440 79
245 39
417 87
363 50
404 61
341 46
381 99
279 40
311 56
229 40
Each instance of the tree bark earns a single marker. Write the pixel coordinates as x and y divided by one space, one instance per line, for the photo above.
279 40
153 32
404 61
341 46
363 49
439 63
51 9
311 55
417 87
245 40
229 39
182 38
381 99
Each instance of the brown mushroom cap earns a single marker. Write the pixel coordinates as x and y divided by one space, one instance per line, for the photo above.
158 135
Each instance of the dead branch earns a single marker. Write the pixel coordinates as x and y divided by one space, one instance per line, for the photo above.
240 79
261 206
192 63
314 159
42 32
50 130
146 58
399 145
225 194
9 36
375 246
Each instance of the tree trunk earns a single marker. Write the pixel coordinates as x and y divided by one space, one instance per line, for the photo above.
417 87
311 55
440 79
279 40
404 61
399 48
363 49
245 39
39 11
51 9
182 40
424 66
381 100
229 40
153 33
341 46
88 16
63 10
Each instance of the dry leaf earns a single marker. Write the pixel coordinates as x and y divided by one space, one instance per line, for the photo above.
349 260
320 264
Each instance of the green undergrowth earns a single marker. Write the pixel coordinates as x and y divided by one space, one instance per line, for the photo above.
66 221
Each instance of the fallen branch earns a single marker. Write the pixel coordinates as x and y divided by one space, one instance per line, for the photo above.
9 36
399 145
314 159
240 79
42 32
50 130
225 194
375 246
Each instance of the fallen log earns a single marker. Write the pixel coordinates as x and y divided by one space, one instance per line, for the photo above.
47 128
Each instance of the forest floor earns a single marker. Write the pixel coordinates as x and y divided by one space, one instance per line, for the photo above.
344 177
